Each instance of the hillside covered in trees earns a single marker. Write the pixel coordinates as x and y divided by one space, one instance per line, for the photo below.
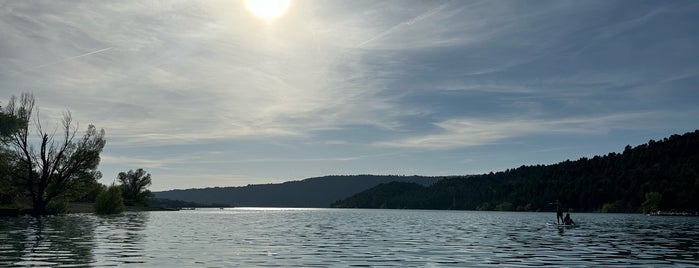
659 175
311 192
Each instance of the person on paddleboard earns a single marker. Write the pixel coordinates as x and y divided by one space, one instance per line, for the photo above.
559 212
567 220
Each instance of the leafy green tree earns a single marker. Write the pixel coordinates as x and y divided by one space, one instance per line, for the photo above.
484 207
652 202
54 165
133 187
109 201
504 206
88 191
9 125
608 208
8 191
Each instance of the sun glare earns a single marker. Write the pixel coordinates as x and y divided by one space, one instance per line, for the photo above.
268 9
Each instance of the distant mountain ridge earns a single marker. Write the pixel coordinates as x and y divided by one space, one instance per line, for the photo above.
317 192
659 175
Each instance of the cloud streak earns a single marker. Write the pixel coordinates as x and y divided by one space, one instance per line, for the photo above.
464 132
339 86
67 59
406 23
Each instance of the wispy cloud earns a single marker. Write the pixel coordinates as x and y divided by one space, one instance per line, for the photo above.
406 23
335 85
66 59
464 132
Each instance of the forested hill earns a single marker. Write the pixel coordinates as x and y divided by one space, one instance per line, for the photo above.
658 175
312 192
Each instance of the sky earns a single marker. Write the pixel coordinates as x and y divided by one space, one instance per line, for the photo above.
207 93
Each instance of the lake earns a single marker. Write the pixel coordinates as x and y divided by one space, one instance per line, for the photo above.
244 237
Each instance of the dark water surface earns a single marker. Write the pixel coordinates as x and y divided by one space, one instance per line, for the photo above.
245 237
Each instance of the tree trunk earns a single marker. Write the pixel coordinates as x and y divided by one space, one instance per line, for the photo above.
39 207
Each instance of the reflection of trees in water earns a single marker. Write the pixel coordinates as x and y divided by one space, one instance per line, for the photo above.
46 241
120 238
74 239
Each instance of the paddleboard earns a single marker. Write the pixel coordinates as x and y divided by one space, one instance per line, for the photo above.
561 225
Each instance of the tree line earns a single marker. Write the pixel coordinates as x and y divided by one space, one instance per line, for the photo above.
658 175
45 168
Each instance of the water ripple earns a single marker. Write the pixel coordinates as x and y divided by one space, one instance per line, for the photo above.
348 238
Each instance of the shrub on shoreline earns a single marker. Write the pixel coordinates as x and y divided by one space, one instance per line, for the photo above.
109 201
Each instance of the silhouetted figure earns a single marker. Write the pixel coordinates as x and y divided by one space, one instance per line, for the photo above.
559 212
567 220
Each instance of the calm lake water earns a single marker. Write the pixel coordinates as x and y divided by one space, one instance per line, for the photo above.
245 237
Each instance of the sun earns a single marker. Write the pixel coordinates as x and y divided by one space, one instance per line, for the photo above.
268 9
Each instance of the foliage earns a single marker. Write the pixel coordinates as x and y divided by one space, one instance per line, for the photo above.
382 196
652 202
608 208
86 190
59 163
57 206
504 206
615 182
9 125
109 201
8 191
133 187
484 207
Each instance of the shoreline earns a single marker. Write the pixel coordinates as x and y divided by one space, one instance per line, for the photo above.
77 208
73 208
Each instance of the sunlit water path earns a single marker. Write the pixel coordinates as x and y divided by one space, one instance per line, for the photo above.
245 237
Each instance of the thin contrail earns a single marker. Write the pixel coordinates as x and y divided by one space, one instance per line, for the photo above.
57 62
67 59
415 19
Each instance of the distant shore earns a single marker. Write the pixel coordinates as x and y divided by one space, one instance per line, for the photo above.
74 208
674 213
90 208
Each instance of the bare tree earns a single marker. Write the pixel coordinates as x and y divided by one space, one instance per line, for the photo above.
59 163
